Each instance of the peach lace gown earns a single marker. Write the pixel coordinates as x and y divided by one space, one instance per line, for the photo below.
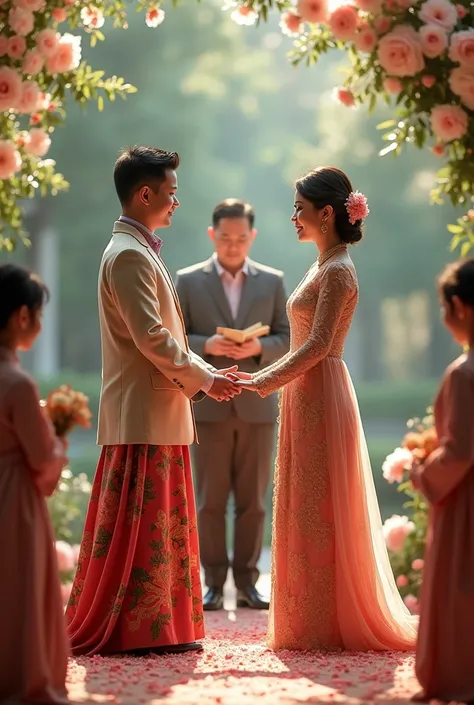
332 583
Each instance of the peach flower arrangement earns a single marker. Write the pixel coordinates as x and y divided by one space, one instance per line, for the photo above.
67 409
405 536
417 55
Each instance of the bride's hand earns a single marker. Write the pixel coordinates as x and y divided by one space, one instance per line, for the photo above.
244 380
238 374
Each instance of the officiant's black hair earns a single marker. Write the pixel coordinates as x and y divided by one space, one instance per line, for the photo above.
457 279
329 186
19 287
137 165
233 208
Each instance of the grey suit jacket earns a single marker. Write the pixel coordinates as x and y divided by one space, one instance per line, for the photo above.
205 306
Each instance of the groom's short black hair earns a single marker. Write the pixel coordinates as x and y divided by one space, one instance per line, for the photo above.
137 165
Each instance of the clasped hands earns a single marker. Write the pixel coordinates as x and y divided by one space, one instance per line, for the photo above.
229 383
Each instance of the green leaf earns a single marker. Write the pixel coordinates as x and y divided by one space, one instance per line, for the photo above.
386 124
466 248
455 229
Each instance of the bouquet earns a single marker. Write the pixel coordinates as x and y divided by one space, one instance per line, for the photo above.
405 536
67 409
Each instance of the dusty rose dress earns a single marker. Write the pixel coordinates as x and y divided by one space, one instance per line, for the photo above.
332 584
33 643
445 650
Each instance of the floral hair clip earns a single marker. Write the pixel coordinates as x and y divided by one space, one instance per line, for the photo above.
357 207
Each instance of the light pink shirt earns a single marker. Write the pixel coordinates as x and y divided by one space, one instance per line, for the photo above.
232 284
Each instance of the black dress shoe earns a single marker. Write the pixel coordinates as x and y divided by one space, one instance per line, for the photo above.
213 600
169 649
250 597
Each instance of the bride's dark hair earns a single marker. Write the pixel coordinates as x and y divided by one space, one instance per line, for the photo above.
329 186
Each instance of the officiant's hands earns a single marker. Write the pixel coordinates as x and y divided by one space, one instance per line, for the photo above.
251 348
218 346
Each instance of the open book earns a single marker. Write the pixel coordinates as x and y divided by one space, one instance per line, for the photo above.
240 336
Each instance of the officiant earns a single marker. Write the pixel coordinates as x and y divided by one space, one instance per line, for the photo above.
236 438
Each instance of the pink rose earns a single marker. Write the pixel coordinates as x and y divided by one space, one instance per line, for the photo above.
396 463
92 17
344 96
154 17
366 40
412 604
33 62
3 44
462 12
399 52
393 85
382 24
38 144
16 47
418 564
63 549
428 80
10 88
313 11
440 12
10 159
31 5
462 48
402 581
66 592
395 531
343 23
76 550
67 56
461 82
439 150
449 122
47 42
372 6
59 14
291 24
29 97
21 21
434 40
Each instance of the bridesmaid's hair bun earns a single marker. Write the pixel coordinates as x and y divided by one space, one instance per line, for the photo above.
457 279
329 186
19 287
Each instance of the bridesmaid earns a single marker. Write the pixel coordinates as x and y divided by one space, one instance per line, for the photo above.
444 657
33 647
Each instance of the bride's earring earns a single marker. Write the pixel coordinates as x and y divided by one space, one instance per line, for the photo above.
324 227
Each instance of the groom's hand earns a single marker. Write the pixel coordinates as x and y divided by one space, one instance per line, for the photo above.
223 388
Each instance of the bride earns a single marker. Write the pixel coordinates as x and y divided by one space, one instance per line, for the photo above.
332 584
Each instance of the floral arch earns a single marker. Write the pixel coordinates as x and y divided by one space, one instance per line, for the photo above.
416 55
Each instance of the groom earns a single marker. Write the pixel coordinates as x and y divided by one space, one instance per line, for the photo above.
137 587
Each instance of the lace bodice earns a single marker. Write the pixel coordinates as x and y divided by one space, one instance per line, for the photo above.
320 311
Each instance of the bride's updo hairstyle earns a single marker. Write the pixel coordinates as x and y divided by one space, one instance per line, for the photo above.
329 186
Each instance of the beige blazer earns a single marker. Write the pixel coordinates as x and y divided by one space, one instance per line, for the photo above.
149 374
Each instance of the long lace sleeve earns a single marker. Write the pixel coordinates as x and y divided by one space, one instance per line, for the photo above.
336 288
447 466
